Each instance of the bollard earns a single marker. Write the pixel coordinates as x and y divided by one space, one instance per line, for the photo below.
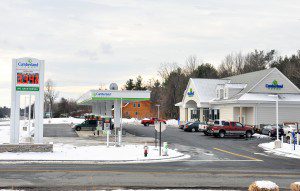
120 137
281 140
107 138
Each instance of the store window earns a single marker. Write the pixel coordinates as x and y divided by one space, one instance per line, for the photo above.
221 93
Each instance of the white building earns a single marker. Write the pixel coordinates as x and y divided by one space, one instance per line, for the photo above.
248 98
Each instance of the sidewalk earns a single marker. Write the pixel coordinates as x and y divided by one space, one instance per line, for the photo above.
287 150
88 148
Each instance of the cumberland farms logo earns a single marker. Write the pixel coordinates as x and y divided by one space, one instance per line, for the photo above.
29 63
190 92
101 94
274 85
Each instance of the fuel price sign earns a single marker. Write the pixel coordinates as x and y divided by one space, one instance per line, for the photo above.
27 74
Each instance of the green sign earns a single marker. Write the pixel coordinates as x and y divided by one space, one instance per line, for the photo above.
274 85
27 89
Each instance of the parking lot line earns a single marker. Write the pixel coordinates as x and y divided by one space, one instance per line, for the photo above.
239 155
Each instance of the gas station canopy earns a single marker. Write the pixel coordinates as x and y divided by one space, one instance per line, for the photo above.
93 96
102 101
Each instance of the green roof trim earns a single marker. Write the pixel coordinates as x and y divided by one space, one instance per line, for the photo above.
111 98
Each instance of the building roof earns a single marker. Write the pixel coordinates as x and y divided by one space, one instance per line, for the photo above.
205 88
251 79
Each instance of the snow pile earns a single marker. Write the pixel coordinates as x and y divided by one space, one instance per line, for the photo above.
295 186
4 134
260 136
63 120
63 152
287 150
172 122
131 121
263 186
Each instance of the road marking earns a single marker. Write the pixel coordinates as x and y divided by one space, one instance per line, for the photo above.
239 155
221 160
263 154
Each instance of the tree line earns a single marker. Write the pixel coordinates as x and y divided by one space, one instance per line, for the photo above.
174 78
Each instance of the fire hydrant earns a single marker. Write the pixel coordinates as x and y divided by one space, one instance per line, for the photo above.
146 150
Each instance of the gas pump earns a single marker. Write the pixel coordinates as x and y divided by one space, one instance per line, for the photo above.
107 123
107 127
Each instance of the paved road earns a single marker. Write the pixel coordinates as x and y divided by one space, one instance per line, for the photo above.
215 163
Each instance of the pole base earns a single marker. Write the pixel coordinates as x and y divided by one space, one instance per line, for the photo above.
277 144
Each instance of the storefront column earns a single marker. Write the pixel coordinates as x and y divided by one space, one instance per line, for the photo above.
241 115
117 113
201 115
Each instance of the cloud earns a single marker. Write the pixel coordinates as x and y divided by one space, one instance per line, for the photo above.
88 42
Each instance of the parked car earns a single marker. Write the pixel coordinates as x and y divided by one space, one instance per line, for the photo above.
86 125
202 126
271 130
147 122
288 128
213 123
194 126
184 124
230 128
289 136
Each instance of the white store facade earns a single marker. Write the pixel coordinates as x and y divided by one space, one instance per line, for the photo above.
248 98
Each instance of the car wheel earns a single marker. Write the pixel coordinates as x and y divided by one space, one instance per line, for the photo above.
287 139
147 124
78 128
205 133
270 134
248 134
222 134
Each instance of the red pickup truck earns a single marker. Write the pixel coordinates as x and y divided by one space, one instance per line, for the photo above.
230 128
147 122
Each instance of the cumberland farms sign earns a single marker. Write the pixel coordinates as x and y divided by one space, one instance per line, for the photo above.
27 72
274 85
190 93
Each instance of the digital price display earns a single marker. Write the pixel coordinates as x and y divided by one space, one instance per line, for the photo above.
27 78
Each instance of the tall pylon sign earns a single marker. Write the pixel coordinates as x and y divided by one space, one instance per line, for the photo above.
27 79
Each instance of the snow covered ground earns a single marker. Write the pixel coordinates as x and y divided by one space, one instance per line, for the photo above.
260 136
287 150
64 152
68 152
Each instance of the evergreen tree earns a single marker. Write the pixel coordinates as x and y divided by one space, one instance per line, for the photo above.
129 85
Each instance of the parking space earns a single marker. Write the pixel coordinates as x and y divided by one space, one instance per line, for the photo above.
202 147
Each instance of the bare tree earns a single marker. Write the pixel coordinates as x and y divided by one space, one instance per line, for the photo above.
192 62
50 94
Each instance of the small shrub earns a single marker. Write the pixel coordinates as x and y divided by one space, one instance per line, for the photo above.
263 186
295 186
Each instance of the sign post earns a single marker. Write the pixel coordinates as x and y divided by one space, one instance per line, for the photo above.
160 127
27 79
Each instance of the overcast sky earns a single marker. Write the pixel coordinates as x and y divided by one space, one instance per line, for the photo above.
89 42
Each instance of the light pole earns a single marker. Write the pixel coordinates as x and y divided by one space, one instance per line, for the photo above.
277 128
157 110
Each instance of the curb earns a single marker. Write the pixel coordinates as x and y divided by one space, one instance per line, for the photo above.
172 159
280 153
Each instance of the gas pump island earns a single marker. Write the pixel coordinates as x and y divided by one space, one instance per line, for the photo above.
102 102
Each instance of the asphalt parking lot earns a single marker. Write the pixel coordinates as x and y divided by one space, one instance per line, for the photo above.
61 130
